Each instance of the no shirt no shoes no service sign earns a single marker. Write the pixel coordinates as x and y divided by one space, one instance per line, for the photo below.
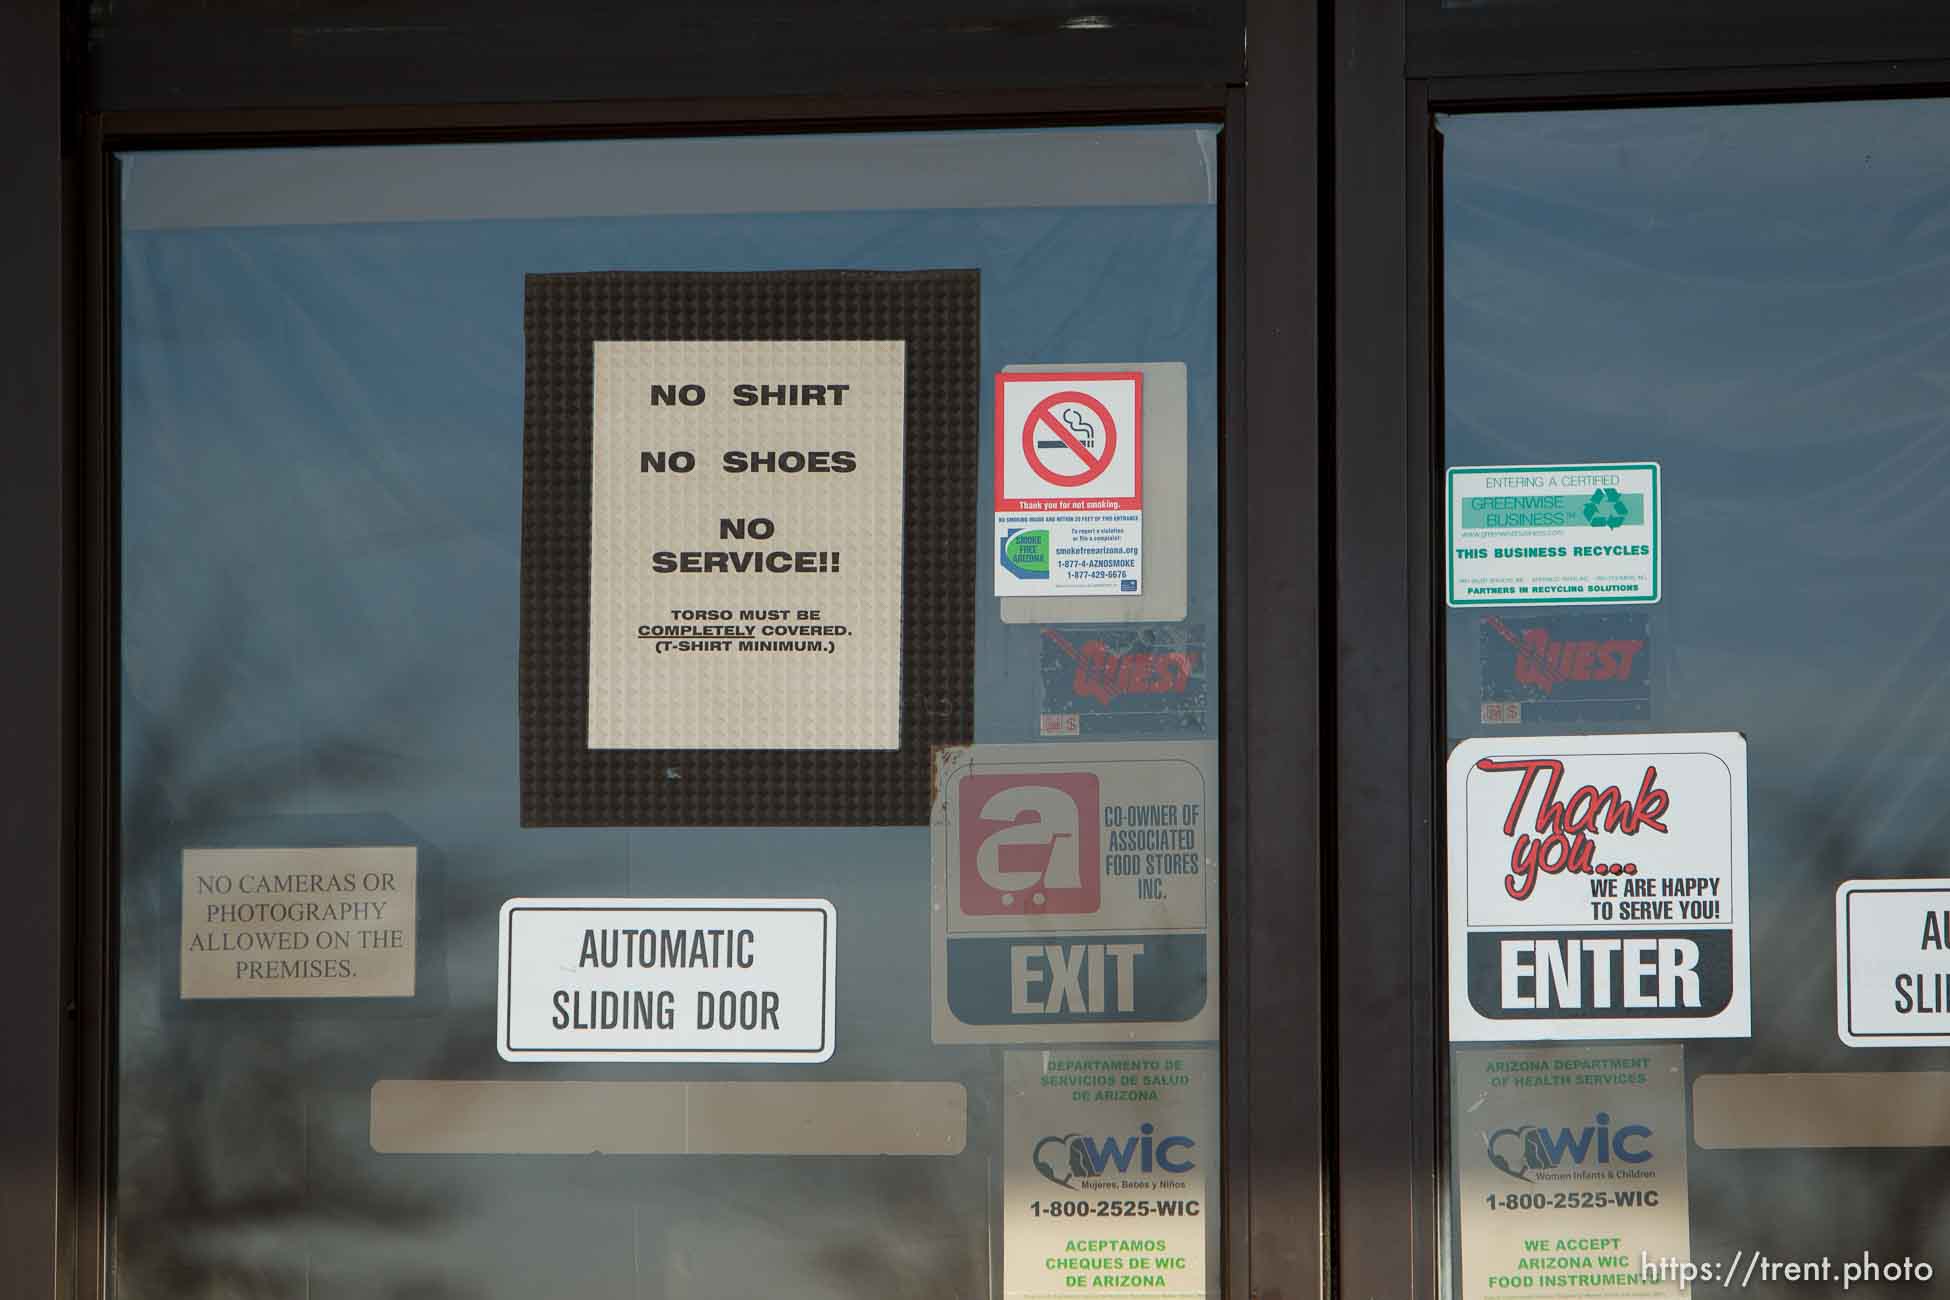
1069 482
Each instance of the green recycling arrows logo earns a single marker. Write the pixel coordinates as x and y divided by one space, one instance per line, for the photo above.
1606 509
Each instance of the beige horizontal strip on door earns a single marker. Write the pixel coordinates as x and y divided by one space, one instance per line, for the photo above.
574 1117
1904 1108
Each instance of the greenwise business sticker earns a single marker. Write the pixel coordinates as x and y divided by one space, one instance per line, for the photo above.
1554 534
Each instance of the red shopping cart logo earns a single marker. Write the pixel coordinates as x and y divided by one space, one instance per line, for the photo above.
1030 844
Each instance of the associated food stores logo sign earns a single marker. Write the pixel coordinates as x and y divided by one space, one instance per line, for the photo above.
1075 893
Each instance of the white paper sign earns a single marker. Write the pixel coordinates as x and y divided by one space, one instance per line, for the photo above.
1598 887
1892 963
1554 534
1069 483
309 922
1110 1162
745 545
677 979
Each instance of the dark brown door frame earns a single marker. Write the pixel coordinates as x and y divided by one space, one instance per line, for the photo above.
64 941
36 718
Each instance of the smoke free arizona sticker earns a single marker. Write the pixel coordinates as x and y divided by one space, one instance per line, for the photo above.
1598 887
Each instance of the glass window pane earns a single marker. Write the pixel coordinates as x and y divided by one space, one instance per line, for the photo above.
321 438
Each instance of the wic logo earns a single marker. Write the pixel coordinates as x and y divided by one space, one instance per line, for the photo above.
1520 1151
1030 844
1083 1157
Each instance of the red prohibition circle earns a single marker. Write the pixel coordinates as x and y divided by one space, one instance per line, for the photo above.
1094 466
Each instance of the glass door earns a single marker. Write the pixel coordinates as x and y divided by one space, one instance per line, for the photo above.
1694 368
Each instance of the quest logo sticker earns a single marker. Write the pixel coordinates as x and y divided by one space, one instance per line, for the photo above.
1136 681
1575 666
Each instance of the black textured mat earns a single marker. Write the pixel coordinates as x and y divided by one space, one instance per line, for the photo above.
565 783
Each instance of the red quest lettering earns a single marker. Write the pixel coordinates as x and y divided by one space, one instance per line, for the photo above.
1563 828
1103 674
1545 663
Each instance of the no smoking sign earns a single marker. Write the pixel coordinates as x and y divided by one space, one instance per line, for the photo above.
1069 441
1069 482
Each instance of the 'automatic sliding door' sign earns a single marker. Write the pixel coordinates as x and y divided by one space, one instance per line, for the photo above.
726 980
1892 962
1075 893
1598 887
